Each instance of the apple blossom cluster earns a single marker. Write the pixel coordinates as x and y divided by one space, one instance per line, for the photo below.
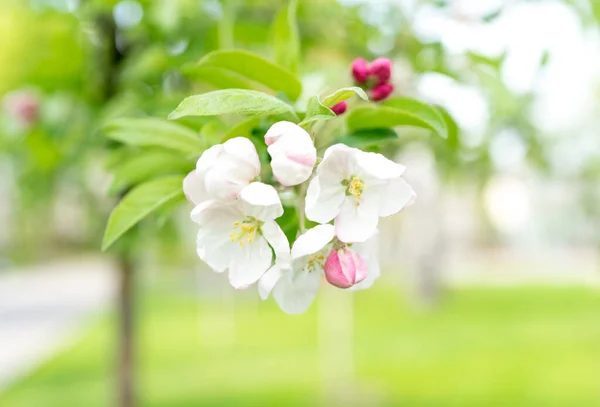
346 194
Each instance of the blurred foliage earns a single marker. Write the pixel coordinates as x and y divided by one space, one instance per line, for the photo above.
90 62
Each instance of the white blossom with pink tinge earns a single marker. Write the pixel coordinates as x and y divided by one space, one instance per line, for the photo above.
294 281
356 188
292 151
295 284
242 235
223 171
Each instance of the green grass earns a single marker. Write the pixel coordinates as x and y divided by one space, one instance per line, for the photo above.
482 347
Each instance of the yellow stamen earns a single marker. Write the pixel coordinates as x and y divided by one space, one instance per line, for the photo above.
249 227
356 187
316 261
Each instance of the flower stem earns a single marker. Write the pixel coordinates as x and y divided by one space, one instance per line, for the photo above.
300 201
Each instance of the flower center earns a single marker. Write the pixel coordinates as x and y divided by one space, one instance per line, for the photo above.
316 261
245 231
354 187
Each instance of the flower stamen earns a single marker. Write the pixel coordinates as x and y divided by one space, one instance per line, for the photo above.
316 261
354 187
248 229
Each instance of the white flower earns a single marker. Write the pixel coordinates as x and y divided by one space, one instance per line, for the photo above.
238 236
194 189
293 154
223 171
295 284
356 188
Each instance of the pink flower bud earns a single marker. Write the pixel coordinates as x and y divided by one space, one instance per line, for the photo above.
360 70
340 108
382 69
344 268
382 91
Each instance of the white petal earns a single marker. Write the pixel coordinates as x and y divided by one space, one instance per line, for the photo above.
281 128
377 166
213 212
323 199
194 189
394 196
338 162
294 292
278 241
288 172
214 250
216 223
261 201
208 159
249 262
356 223
370 254
242 149
293 156
268 281
227 178
312 241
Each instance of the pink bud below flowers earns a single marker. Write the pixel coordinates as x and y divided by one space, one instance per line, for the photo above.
382 69
344 268
360 70
382 91
340 108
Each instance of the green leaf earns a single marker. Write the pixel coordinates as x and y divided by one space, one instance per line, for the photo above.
231 101
368 137
147 132
242 129
418 113
285 37
342 94
213 131
217 77
378 117
453 139
316 111
139 203
146 165
252 67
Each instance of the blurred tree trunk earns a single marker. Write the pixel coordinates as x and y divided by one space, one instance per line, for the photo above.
113 58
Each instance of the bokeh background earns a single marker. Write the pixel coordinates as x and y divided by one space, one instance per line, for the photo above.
489 294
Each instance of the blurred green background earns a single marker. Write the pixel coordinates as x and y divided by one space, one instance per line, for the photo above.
490 288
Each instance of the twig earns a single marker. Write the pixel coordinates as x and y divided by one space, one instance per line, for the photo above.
300 202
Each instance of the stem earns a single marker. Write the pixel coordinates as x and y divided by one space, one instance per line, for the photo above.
126 328
300 202
226 25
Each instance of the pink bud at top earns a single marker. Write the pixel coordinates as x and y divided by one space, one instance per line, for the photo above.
344 268
360 70
382 91
340 108
382 69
